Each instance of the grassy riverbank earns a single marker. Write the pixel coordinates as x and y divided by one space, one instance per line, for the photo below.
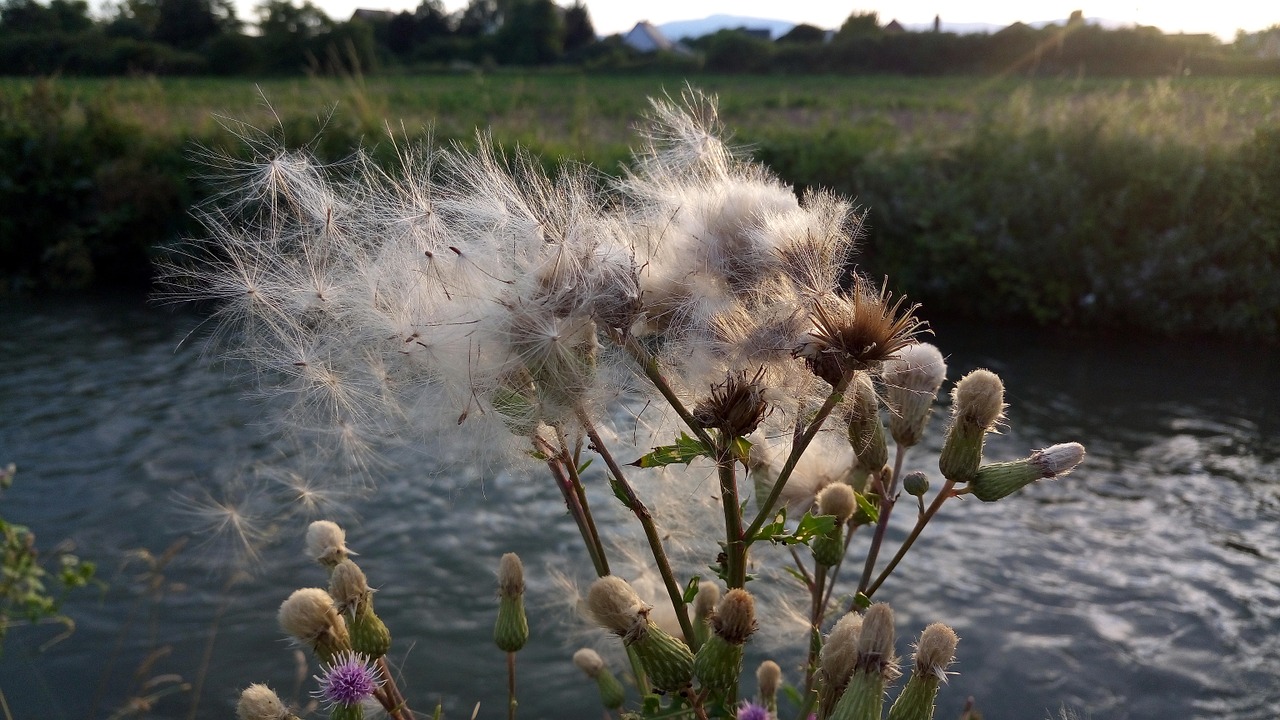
1090 203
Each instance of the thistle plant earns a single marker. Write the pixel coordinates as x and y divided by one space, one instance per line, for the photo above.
694 319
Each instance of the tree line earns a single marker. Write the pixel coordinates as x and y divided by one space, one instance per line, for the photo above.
206 37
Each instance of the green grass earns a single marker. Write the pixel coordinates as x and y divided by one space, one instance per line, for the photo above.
1087 202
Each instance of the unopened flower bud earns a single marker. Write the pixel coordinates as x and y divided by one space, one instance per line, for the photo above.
327 543
912 378
704 607
999 480
259 702
977 405
354 601
612 694
934 652
309 616
836 662
511 632
719 661
735 407
666 660
768 678
916 484
839 500
866 432
874 666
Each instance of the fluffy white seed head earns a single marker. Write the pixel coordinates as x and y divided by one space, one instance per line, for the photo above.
936 650
588 661
510 575
259 702
979 399
839 500
307 614
1060 459
615 606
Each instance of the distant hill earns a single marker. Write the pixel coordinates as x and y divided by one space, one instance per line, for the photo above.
681 29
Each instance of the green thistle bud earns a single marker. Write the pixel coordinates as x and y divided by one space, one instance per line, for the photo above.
840 501
347 712
836 662
935 651
874 666
666 660
977 405
612 694
704 607
512 629
866 432
916 484
999 480
768 678
354 600
912 378
719 660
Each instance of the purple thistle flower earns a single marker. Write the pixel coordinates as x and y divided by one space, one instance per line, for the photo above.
350 679
752 711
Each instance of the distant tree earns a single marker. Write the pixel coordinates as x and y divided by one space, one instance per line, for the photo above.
432 21
479 18
59 16
402 33
804 33
187 24
578 30
859 25
281 18
532 33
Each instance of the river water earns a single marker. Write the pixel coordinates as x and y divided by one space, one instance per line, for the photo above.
1144 585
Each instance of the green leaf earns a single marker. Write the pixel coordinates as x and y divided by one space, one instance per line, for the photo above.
809 527
867 508
619 493
583 467
742 449
862 601
691 588
686 450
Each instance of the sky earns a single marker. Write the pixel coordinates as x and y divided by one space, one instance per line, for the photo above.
1221 18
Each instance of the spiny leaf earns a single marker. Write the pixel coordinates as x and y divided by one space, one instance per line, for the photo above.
691 589
686 450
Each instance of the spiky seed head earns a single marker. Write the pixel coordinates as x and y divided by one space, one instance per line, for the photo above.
615 606
349 587
510 575
866 432
327 543
912 378
936 650
857 331
588 661
838 499
916 484
999 480
736 406
735 618
978 399
768 678
259 702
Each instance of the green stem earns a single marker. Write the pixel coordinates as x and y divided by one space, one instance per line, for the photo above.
888 499
650 529
511 686
943 494
816 613
570 485
396 706
797 449
649 364
734 548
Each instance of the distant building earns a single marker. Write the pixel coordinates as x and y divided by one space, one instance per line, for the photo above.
759 33
373 16
647 38
894 28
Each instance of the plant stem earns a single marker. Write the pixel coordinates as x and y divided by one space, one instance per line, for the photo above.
943 494
511 686
396 706
570 485
797 449
734 548
649 364
646 522
888 499
816 612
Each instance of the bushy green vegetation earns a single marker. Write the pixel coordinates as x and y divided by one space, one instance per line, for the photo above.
1088 202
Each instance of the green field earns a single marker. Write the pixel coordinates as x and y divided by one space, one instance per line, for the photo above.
1083 202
